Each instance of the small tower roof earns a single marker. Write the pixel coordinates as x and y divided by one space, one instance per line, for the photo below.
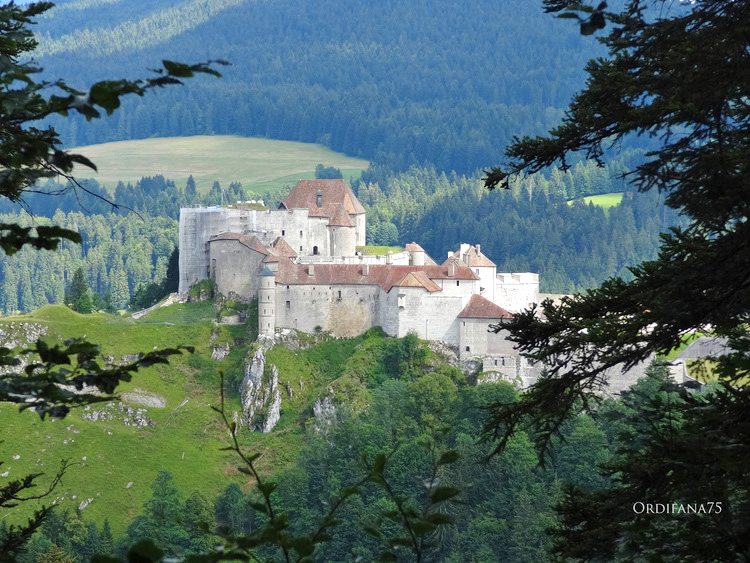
340 218
267 272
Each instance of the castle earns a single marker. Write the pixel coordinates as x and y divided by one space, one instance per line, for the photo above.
300 261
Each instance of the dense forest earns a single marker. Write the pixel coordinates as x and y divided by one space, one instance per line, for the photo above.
401 82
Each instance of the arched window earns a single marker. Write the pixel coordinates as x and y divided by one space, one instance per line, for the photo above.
315 250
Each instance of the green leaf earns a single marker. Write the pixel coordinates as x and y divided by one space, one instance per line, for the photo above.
145 551
451 456
441 494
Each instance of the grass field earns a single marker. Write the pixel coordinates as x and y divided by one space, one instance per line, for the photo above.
605 201
107 455
115 464
260 164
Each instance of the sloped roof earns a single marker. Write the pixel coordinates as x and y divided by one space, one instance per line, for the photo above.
280 247
473 258
418 279
386 276
249 241
335 193
271 258
266 272
480 308
341 218
413 247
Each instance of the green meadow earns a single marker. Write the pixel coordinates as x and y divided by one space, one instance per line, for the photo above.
258 164
115 464
605 201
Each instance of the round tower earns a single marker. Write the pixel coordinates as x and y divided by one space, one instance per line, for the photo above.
267 303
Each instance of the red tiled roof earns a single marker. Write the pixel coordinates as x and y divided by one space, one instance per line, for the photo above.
335 193
280 247
473 258
413 247
386 276
419 279
341 218
249 241
480 308
271 258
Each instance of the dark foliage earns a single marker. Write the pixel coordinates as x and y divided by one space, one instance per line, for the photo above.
683 77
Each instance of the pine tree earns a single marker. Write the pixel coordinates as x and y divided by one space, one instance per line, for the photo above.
79 294
106 541
681 76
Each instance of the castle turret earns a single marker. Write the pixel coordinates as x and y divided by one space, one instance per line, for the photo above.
416 254
267 303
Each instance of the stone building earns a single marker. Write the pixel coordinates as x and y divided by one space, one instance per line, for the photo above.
300 262
318 218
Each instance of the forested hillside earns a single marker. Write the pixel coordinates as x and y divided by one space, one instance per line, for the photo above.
402 82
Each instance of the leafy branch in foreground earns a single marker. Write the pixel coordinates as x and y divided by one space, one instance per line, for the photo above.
273 539
419 526
29 153
56 378
680 74
15 492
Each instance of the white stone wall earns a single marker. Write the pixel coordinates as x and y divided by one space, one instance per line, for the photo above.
343 241
360 222
343 310
234 269
516 292
431 315
487 280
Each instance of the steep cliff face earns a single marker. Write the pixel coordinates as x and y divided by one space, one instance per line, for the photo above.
260 394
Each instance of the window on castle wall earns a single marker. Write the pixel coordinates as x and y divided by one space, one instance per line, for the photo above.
300 249
495 362
288 304
468 349
283 232
339 294
300 233
458 282
464 323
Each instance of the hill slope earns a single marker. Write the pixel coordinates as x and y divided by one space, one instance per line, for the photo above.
252 162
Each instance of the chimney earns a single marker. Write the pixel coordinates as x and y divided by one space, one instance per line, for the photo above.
479 250
389 257
468 260
452 268
365 269
311 270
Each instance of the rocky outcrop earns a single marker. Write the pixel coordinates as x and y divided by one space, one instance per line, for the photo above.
220 352
20 335
128 415
324 413
260 394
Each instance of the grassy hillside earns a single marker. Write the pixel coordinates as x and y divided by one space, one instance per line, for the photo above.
262 164
114 464
108 455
